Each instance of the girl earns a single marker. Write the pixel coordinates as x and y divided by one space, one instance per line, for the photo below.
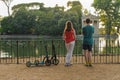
69 35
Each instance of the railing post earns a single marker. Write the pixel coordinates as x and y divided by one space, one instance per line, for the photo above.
0 49
17 53
94 50
117 51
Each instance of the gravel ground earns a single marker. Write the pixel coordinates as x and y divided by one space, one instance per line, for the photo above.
60 72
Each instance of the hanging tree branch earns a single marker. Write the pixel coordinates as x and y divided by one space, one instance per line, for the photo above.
7 3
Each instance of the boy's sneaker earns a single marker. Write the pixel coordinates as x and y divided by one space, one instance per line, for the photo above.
68 64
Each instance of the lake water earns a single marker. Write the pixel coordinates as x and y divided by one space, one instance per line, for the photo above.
100 41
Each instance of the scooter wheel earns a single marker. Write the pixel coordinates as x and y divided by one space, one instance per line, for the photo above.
55 61
28 64
36 62
47 62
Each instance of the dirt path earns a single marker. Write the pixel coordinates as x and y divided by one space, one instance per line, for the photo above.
60 72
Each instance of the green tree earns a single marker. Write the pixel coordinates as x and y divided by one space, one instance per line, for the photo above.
116 15
28 6
108 10
7 23
34 18
76 9
24 22
86 12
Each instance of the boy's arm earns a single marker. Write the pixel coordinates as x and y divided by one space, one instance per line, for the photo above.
83 32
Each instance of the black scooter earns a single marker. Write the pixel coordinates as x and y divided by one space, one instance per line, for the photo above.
46 60
54 59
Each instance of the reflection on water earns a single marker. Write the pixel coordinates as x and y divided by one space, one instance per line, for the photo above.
100 44
4 54
114 42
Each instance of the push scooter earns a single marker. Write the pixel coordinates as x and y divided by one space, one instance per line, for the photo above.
45 61
48 61
54 59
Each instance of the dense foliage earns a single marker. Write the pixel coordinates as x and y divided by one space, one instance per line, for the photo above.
34 18
109 12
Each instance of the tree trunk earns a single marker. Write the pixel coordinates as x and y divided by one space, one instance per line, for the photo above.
8 10
118 29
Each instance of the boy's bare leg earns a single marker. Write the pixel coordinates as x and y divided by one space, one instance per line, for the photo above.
89 58
86 56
